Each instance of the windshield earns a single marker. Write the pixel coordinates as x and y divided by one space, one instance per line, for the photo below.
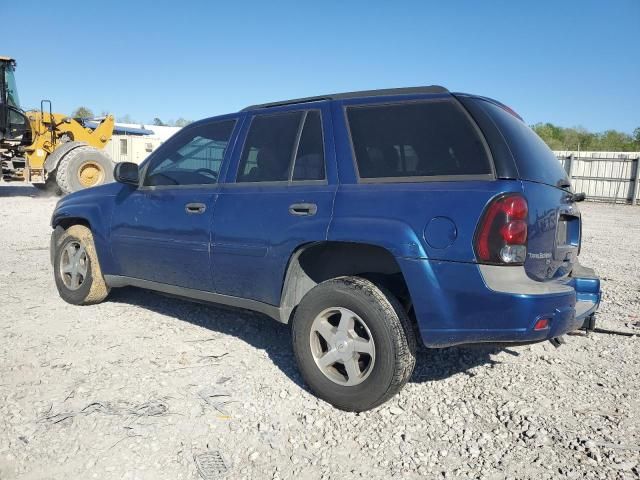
12 89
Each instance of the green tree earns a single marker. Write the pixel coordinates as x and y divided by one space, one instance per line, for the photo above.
551 134
181 122
158 122
82 112
615 141
579 138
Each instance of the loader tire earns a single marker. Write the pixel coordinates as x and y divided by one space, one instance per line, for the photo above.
76 268
83 167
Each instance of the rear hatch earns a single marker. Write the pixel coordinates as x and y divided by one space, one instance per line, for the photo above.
554 223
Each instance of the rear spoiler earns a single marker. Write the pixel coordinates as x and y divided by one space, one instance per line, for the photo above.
495 102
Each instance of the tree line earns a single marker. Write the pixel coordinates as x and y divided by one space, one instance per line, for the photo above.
85 113
578 138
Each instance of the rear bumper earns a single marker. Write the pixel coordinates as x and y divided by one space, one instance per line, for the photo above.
457 303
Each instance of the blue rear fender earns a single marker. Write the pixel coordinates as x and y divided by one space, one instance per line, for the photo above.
457 303
395 216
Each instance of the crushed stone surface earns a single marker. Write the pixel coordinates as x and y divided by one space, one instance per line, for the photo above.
144 386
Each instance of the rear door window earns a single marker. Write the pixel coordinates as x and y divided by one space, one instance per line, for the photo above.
534 159
416 139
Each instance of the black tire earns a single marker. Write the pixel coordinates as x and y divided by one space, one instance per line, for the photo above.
69 168
391 332
93 288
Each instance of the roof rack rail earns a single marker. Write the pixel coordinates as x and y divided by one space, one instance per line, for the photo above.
363 93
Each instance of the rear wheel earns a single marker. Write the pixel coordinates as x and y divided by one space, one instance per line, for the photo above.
83 167
353 342
76 268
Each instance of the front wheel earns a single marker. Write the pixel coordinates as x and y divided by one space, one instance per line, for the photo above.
353 343
76 268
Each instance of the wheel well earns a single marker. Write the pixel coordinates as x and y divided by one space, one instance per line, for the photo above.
317 262
68 222
60 227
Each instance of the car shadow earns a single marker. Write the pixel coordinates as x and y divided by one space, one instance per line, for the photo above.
433 364
263 333
22 190
259 331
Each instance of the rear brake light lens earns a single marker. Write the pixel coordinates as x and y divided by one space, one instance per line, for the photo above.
541 324
502 234
514 232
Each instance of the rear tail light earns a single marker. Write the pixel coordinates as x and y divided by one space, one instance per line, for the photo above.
541 324
501 237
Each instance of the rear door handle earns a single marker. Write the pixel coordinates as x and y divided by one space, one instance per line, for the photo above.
193 208
303 209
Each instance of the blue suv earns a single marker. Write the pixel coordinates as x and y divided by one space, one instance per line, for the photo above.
366 220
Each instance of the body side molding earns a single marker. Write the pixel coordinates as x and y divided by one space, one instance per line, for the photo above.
272 311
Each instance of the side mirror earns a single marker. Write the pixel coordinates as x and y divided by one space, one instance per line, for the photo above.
127 172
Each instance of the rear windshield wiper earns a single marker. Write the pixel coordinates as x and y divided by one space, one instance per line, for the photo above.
572 197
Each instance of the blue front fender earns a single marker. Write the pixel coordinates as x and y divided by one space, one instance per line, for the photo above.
98 216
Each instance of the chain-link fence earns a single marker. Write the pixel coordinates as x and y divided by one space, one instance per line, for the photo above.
611 177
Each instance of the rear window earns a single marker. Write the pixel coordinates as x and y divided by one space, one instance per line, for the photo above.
534 159
416 139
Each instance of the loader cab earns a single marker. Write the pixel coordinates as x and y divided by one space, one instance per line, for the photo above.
14 125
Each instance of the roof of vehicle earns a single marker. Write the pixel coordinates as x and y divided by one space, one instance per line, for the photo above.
360 94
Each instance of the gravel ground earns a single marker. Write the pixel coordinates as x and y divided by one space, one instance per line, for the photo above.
136 387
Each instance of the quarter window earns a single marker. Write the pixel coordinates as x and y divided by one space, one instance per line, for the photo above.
416 139
268 150
309 163
192 157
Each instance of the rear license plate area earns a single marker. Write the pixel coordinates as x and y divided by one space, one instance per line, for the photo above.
567 237
568 231
561 231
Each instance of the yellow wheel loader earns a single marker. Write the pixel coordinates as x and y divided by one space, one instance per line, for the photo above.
48 149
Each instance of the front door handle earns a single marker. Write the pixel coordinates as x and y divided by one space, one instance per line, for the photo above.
303 209
194 208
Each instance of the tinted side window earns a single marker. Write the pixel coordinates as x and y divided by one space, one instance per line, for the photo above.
192 157
309 163
268 150
417 139
534 159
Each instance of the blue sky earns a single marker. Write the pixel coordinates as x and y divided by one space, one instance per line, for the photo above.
570 62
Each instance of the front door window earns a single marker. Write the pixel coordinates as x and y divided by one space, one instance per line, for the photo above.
192 157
